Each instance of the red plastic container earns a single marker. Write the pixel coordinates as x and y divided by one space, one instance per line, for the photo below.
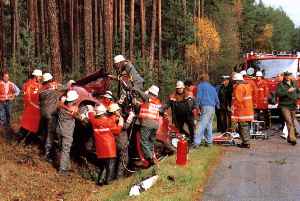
182 152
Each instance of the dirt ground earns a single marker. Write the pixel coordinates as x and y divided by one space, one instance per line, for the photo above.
268 171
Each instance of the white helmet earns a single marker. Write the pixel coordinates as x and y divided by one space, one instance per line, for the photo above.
37 73
72 96
108 94
119 58
100 109
258 74
113 107
243 72
70 82
154 90
47 77
237 77
180 85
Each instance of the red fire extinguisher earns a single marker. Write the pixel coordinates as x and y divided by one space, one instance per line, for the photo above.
182 151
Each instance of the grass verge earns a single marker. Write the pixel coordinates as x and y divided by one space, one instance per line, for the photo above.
25 177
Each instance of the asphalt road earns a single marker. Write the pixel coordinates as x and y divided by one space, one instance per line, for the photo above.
269 171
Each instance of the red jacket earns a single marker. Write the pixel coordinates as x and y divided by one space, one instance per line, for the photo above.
261 94
105 130
242 104
30 119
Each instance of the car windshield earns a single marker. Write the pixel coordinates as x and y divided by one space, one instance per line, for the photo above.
272 67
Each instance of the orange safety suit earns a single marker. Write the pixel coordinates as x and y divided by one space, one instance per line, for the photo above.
105 130
30 119
242 103
261 94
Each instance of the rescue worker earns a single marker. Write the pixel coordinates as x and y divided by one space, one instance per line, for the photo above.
107 99
288 94
48 97
190 87
30 120
8 93
242 108
224 112
184 109
67 112
249 80
261 98
127 70
114 113
105 130
149 115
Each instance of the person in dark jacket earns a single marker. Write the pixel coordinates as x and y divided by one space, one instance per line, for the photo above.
225 97
183 107
288 94
48 98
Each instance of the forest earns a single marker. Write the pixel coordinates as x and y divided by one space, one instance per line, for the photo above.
166 40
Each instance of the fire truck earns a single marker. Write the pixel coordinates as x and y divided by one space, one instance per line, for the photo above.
272 66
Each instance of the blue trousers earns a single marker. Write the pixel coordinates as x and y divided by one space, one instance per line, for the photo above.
5 110
206 120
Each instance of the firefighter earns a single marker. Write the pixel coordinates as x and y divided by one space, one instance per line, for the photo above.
107 99
30 120
105 129
126 69
261 98
114 112
48 98
8 93
67 112
249 80
184 109
224 112
149 114
288 94
242 108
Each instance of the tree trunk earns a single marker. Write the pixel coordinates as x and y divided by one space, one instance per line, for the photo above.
42 36
32 26
131 43
69 16
95 33
184 7
122 24
108 30
88 36
76 39
14 29
54 40
202 6
153 33
37 30
159 31
143 27
2 62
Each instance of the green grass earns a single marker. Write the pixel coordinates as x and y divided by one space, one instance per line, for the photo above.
187 184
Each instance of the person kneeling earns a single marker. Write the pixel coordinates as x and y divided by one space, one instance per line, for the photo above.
105 129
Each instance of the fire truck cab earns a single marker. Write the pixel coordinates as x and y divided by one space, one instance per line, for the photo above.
273 65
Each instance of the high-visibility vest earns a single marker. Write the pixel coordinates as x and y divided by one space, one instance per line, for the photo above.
242 103
150 110
7 95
